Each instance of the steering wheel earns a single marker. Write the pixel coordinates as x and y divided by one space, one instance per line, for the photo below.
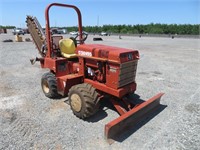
84 37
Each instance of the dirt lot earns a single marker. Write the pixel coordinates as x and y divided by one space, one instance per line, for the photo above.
29 120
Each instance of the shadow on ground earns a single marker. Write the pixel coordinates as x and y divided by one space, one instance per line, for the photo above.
131 127
136 121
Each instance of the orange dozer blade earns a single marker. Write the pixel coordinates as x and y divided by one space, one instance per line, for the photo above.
118 126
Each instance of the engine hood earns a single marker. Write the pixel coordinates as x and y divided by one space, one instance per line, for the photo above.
109 53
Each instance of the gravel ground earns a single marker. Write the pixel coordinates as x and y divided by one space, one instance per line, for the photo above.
29 120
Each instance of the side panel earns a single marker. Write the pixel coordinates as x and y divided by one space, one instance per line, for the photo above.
50 64
112 75
60 66
81 66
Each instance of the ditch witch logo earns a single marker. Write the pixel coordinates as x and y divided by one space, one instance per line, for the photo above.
83 53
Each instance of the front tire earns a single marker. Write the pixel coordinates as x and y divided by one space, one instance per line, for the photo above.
83 100
49 85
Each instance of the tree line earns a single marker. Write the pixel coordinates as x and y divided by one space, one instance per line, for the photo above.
7 27
187 29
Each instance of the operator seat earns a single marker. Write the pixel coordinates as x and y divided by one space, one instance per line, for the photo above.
67 48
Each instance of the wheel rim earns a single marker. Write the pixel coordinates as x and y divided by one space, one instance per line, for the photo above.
76 102
45 86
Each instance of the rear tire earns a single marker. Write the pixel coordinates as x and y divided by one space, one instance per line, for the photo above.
49 85
83 100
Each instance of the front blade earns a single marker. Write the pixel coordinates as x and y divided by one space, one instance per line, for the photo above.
118 126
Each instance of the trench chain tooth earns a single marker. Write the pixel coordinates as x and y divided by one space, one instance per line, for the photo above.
36 33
